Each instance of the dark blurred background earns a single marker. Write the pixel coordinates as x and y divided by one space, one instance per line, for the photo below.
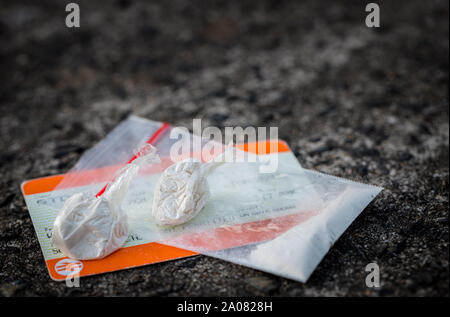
369 104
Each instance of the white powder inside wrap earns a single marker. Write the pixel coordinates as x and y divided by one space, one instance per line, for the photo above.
89 227
181 192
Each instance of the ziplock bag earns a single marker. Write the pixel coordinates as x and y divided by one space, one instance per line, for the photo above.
282 222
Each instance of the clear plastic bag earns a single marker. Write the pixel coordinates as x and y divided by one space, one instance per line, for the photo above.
92 227
282 222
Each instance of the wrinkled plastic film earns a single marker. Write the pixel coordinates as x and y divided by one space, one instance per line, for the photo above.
89 227
282 222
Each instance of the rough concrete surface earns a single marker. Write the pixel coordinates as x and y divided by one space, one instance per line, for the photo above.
365 104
